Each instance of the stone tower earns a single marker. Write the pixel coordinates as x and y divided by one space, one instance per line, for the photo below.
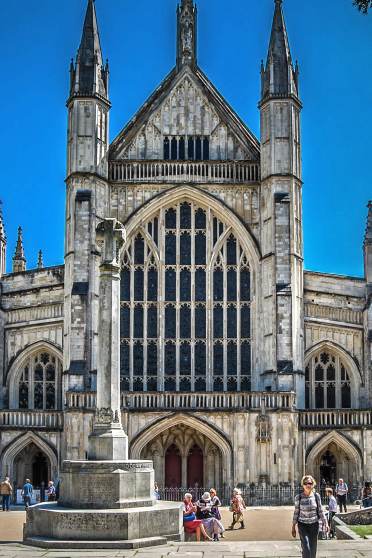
19 260
87 196
368 308
2 243
281 200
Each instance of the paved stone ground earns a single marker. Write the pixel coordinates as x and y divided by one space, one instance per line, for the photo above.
259 540
280 549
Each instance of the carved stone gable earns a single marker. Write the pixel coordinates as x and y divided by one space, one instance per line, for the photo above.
184 114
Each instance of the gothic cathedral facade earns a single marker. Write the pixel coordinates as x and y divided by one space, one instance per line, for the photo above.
237 366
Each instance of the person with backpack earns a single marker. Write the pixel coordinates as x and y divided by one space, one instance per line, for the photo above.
307 515
342 490
6 490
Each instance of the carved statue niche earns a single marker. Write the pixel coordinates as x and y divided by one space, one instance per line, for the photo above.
263 429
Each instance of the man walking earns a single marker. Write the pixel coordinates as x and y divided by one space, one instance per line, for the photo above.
27 493
342 490
6 490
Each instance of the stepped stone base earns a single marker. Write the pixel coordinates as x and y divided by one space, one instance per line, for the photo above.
53 526
104 504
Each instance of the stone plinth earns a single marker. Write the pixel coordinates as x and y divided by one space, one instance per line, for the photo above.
53 526
105 504
106 484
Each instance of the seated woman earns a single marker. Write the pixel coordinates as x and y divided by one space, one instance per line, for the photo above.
190 523
211 524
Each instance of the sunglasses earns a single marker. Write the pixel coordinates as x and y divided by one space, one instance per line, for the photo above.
308 484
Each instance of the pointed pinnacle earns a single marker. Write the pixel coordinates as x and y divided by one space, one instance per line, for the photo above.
40 263
19 251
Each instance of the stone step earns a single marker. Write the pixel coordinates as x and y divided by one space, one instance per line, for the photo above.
62 544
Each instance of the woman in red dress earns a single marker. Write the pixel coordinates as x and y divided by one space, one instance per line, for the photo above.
190 523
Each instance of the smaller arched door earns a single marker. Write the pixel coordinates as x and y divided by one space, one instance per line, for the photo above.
173 467
195 467
32 463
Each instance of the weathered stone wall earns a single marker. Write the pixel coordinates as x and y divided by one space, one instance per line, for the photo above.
242 200
32 310
334 307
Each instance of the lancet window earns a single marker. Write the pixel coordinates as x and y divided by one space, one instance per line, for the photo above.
327 382
186 148
38 382
172 339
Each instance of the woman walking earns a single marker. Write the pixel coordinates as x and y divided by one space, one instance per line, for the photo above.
237 507
307 515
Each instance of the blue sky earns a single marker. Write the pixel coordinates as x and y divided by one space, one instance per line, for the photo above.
331 40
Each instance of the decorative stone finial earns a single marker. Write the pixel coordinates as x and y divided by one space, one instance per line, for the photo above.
19 260
40 263
186 33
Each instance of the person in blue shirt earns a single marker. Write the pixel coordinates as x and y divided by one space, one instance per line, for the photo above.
27 493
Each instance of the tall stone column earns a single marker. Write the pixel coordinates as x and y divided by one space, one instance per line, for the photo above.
108 440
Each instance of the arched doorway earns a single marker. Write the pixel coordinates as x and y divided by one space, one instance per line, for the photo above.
332 457
195 467
173 467
184 458
31 463
29 456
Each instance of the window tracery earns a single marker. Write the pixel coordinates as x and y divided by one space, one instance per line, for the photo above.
171 339
38 382
327 382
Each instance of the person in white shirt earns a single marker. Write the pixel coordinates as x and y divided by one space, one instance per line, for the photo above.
341 492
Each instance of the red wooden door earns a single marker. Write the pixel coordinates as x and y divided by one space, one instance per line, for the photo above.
195 467
173 468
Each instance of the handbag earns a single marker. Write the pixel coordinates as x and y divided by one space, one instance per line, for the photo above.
189 517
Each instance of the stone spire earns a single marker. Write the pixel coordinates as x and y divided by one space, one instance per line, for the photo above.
368 234
2 242
367 248
186 34
19 260
279 77
40 262
89 76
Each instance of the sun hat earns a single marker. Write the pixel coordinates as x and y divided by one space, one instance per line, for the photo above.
206 496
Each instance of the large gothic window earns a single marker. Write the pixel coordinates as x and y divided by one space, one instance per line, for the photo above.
185 305
38 382
327 382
